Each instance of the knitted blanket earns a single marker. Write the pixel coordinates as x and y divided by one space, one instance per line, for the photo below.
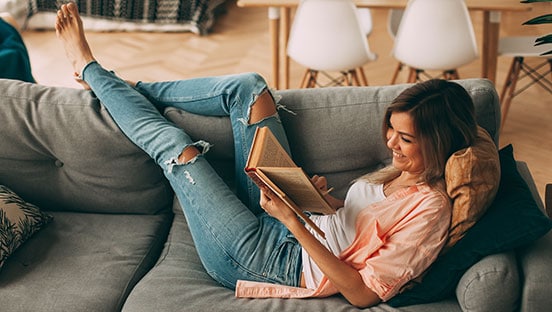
197 15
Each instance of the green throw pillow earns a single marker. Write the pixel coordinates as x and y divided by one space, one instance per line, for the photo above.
18 221
512 220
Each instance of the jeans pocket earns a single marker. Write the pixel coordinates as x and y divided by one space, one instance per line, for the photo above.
284 264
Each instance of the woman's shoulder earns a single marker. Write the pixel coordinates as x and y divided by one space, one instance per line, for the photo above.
435 193
438 188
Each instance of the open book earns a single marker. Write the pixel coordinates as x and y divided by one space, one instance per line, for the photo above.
270 165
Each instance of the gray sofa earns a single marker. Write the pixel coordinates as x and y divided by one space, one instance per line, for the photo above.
119 242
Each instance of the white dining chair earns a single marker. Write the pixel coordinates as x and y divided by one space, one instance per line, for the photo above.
326 36
365 19
538 73
435 35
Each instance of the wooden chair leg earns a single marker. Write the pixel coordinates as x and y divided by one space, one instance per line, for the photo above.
509 88
396 73
413 75
455 75
313 79
305 80
353 78
347 77
362 75
451 74
550 63
309 79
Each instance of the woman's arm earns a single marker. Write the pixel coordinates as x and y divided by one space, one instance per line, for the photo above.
345 278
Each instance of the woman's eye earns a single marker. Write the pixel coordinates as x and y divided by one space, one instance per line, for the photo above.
406 140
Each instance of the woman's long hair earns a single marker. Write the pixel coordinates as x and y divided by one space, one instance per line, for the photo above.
444 122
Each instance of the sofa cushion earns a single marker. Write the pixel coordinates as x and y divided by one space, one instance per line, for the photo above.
477 289
82 262
513 220
178 282
19 220
472 175
62 151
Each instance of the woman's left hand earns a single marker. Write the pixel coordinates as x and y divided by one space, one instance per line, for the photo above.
322 184
275 207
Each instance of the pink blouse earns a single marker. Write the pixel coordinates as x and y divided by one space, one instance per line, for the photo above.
396 241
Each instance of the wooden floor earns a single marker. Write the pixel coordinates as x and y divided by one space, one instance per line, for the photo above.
239 42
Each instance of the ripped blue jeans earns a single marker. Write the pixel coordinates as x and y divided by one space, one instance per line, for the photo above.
234 240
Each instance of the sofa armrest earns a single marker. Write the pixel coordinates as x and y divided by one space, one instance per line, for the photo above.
526 174
537 275
535 258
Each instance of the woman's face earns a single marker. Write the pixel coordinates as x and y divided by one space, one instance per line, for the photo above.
401 139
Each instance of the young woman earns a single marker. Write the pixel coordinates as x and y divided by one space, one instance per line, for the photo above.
387 231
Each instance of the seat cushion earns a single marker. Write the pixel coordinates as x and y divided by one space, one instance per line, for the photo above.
82 262
178 282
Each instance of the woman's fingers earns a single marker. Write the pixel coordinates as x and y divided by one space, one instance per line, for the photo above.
320 182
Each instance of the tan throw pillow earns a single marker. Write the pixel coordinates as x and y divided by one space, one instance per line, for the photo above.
472 176
18 221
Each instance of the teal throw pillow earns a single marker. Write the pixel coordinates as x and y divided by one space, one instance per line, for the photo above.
513 220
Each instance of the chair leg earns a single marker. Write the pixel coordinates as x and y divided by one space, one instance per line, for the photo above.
396 73
354 81
362 75
550 63
413 75
309 79
451 74
313 79
348 77
509 88
305 79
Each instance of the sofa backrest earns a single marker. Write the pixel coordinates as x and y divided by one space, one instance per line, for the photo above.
60 150
335 131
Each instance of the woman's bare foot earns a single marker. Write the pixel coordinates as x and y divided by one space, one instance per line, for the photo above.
70 30
79 80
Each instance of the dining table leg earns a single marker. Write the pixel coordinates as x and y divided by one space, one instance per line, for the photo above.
489 59
274 30
285 23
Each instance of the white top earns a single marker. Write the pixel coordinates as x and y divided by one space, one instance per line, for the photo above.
340 227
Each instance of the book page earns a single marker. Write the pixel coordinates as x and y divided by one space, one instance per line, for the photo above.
267 151
298 186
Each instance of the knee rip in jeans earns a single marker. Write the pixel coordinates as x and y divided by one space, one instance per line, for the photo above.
264 106
189 155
